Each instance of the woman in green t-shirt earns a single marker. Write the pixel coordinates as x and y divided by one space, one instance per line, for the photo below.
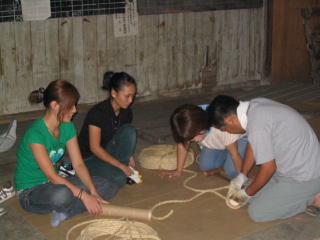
40 188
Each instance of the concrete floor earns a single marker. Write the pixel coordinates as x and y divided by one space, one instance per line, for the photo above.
204 218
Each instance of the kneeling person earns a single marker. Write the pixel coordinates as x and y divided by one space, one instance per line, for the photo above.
285 147
189 123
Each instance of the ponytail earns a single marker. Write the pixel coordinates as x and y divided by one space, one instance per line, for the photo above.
36 96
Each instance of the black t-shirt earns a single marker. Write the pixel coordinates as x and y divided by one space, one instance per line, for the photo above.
102 116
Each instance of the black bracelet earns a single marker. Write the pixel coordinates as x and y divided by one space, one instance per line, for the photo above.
80 194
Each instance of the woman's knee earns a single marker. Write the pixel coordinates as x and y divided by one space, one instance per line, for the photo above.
229 168
62 196
231 173
210 159
128 129
129 132
105 186
120 180
205 163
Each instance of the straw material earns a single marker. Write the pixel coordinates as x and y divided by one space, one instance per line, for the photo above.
114 229
163 157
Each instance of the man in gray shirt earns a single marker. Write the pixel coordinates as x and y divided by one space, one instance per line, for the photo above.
284 145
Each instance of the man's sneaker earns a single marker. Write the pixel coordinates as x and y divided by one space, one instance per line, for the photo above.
313 211
6 192
66 169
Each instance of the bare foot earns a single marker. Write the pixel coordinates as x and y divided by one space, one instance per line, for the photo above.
316 200
212 172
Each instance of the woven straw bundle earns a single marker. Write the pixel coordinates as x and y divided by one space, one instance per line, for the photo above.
163 156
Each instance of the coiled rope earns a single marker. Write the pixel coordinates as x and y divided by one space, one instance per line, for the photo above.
163 156
114 229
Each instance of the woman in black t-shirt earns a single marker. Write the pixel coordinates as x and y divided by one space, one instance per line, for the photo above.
107 139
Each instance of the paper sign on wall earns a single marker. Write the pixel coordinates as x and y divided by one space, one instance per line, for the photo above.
126 24
35 9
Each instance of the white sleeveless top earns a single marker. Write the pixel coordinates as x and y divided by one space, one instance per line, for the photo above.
217 139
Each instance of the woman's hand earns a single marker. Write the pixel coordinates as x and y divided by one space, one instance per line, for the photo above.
127 171
92 203
170 174
132 162
99 198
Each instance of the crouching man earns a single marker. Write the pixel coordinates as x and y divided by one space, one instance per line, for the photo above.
285 147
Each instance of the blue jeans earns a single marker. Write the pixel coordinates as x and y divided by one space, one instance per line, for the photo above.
212 158
121 147
47 197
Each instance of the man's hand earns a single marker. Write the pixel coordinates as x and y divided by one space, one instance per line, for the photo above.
170 174
238 181
236 185
238 199
242 197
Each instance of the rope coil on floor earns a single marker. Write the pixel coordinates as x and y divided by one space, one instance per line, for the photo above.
115 229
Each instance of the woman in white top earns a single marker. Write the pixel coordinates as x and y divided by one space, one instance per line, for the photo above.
218 149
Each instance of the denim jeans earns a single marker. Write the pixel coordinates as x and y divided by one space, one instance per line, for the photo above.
47 197
212 158
121 147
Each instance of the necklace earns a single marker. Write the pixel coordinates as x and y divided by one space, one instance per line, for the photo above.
54 133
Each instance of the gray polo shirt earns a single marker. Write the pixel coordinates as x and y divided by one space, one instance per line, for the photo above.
276 131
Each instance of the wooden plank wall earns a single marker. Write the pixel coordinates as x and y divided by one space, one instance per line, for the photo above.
172 52
290 59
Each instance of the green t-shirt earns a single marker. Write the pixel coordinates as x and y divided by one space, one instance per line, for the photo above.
28 172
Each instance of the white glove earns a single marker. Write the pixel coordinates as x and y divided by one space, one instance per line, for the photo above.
238 181
238 199
242 197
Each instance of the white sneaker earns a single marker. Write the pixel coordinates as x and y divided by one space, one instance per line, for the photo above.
66 170
2 211
6 193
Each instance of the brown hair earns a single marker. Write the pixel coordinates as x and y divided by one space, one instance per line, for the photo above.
187 121
61 91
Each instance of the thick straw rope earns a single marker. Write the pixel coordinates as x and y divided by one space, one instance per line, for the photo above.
163 156
124 229
114 229
199 193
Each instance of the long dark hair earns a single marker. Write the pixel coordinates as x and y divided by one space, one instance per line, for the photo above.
187 121
61 91
115 81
